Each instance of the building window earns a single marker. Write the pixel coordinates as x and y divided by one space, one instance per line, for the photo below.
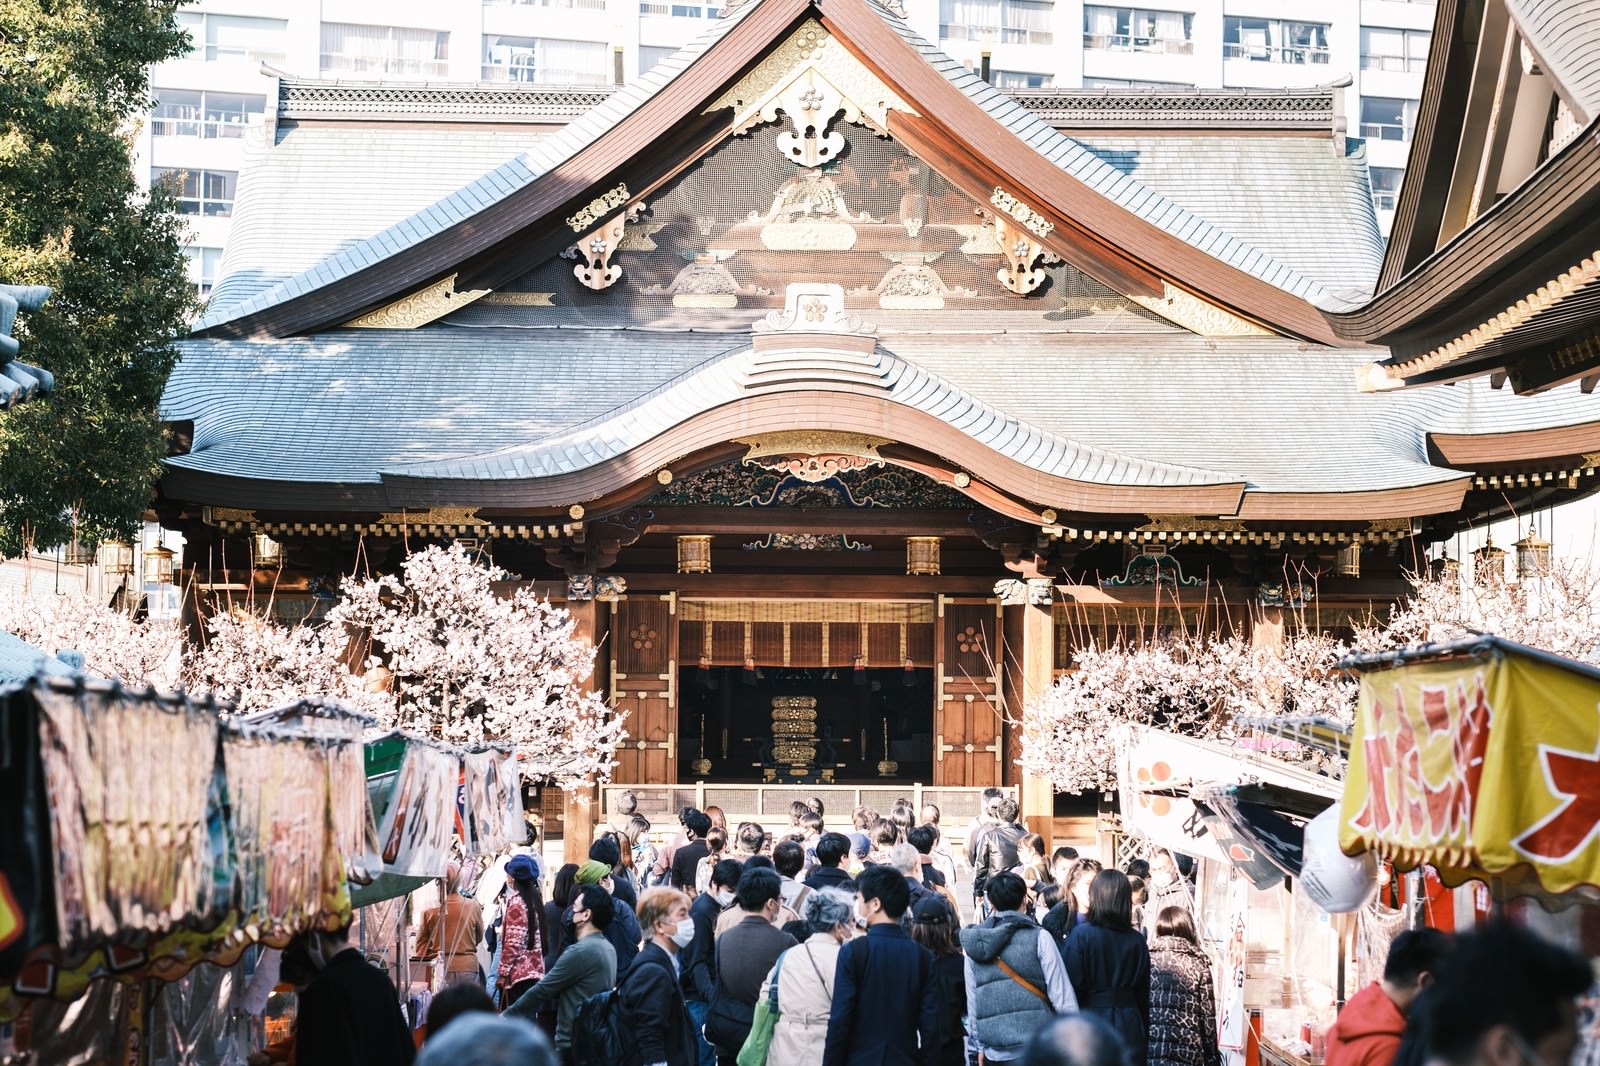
1399 50
1386 187
235 37
570 5
545 61
680 11
203 263
199 192
349 48
1130 29
202 113
1387 118
652 56
1136 83
1274 40
1020 79
997 21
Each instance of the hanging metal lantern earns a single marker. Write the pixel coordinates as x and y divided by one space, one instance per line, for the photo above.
116 556
922 556
1489 564
158 565
1349 561
80 553
694 554
269 553
1446 569
1533 555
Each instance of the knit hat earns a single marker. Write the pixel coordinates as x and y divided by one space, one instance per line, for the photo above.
592 872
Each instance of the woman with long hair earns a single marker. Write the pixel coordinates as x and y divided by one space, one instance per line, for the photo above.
1073 907
1108 963
1183 1001
562 892
717 847
934 927
522 951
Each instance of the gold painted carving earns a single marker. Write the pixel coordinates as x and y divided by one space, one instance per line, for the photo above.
216 516
811 61
1030 219
1019 276
521 299
809 213
593 252
1187 523
911 284
1196 315
638 236
433 516
705 282
813 455
980 240
598 208
419 308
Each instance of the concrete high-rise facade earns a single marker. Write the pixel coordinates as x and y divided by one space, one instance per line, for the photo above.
207 99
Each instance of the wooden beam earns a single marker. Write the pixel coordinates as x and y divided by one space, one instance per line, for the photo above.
746 521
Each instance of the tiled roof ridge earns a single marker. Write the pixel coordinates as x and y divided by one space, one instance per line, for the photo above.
310 98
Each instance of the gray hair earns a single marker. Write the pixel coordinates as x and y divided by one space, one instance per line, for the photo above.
483 1039
905 858
827 908
1075 1039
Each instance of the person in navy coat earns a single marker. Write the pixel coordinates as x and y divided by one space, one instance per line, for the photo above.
884 1010
1108 963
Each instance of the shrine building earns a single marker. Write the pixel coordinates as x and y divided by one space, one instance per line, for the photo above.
838 393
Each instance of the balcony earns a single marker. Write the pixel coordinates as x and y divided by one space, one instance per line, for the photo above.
237 53
997 34
1293 55
569 5
207 129
347 63
1384 131
1395 64
1123 42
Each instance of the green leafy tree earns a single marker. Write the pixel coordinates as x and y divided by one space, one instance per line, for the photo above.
73 81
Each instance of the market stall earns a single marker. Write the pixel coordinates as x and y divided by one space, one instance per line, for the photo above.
159 844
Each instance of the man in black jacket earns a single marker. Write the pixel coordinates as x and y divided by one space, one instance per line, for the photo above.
829 871
997 849
653 1006
697 963
349 1013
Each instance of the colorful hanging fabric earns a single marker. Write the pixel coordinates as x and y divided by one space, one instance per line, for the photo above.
494 802
27 900
418 819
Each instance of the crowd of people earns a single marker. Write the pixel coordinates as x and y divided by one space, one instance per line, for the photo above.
808 947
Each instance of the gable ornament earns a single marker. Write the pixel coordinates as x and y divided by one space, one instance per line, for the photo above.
595 249
813 307
418 308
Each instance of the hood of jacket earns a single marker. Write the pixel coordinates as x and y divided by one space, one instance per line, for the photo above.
984 943
1370 1015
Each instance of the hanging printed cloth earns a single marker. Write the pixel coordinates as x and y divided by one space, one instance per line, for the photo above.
27 901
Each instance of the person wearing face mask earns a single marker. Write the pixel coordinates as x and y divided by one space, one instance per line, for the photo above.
698 961
623 931
744 955
1164 888
587 967
652 1003
349 1015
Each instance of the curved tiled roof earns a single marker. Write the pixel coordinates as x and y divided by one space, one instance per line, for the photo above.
1069 155
1565 35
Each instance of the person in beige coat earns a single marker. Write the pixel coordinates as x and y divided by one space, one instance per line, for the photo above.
805 982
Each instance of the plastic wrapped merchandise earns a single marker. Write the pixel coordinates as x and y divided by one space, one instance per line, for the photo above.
1336 882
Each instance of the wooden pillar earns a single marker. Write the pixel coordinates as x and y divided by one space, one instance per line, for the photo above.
1029 669
578 804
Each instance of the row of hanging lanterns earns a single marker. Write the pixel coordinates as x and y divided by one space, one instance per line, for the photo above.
1533 559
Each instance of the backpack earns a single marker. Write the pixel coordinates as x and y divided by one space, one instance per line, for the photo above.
599 1031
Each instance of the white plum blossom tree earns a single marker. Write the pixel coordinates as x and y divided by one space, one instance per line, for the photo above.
1201 687
259 664
114 644
468 665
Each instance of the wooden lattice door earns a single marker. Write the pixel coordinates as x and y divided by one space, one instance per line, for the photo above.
968 744
644 683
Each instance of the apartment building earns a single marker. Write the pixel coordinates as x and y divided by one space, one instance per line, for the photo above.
206 100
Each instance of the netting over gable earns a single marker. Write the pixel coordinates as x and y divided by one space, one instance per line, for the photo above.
717 247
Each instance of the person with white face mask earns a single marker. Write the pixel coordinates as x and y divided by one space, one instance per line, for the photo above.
698 962
1167 888
650 994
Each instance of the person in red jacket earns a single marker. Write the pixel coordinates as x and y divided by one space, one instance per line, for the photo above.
1368 1030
